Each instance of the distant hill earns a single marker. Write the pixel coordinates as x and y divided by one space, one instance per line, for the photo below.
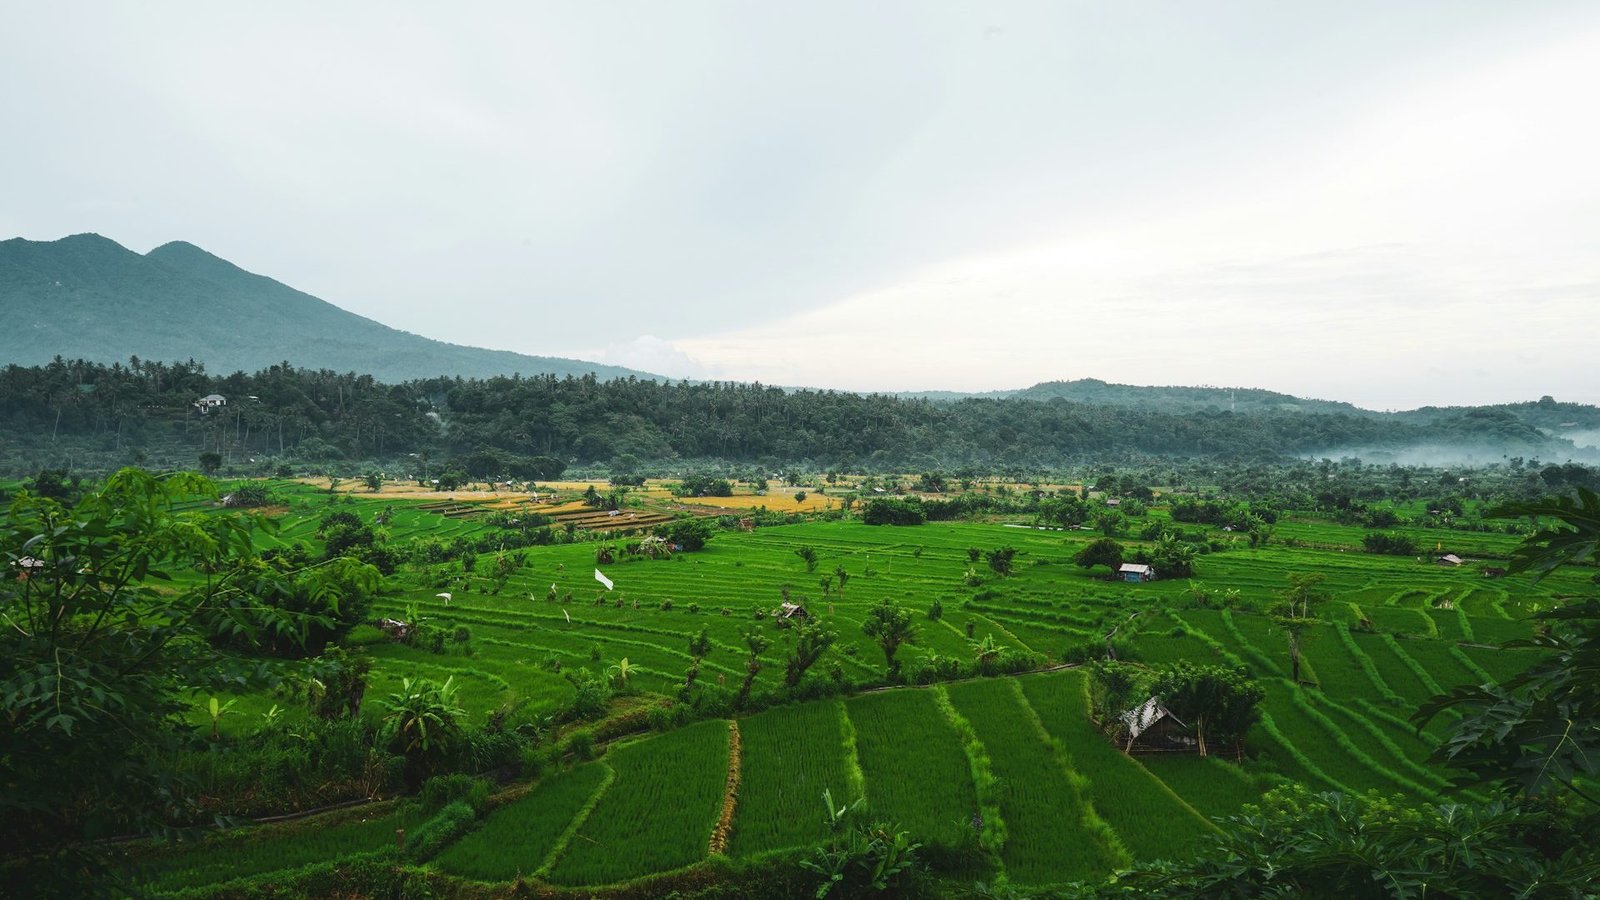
1176 399
88 297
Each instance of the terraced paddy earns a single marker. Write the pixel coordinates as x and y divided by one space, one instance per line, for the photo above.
996 775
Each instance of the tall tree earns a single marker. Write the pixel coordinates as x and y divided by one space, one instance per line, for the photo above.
1296 613
1214 700
811 641
891 625
755 643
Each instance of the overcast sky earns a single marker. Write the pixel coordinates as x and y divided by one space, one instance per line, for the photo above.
1390 203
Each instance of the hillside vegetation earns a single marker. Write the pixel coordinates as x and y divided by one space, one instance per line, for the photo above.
105 416
88 297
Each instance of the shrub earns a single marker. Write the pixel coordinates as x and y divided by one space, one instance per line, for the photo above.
893 512
1391 544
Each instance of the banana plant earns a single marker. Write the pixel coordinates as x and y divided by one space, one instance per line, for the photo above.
218 709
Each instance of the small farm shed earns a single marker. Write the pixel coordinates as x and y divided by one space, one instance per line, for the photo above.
1494 572
28 566
793 611
1449 559
1152 727
209 402
1136 572
394 628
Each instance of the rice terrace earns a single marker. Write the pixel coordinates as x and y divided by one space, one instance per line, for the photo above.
810 451
627 691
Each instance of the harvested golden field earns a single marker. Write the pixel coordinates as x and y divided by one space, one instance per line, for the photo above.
410 490
777 501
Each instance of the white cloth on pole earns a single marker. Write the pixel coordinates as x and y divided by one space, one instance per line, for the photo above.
602 579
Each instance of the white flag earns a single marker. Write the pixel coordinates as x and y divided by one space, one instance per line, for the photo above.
569 618
602 579
446 597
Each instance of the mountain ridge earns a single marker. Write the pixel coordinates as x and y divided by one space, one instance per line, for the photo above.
86 296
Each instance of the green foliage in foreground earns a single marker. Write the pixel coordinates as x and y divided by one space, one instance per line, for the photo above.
1334 846
95 657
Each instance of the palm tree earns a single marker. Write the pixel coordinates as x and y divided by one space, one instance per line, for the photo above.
890 625
699 649
756 642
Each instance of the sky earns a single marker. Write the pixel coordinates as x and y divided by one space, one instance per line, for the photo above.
1391 204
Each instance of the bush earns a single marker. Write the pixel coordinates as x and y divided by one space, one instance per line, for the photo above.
893 512
1390 544
590 694
690 534
581 744
442 790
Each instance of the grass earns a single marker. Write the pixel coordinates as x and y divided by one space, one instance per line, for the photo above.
898 748
1215 788
1052 832
658 814
916 774
517 838
1151 820
271 848
791 756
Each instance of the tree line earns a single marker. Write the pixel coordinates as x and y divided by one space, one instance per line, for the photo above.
283 411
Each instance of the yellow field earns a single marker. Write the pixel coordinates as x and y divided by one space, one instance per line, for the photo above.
777 501
411 491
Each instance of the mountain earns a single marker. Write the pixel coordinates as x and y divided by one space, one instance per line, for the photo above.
88 297
1175 399
1183 399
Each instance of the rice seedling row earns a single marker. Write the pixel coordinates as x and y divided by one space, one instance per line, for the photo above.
1150 819
791 756
1052 831
916 774
658 813
516 839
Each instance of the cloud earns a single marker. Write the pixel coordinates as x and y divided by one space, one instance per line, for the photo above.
1440 250
648 353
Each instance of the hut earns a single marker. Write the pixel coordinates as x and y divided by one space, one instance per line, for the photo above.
1449 559
395 629
793 612
209 402
1151 727
1136 572
1494 572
